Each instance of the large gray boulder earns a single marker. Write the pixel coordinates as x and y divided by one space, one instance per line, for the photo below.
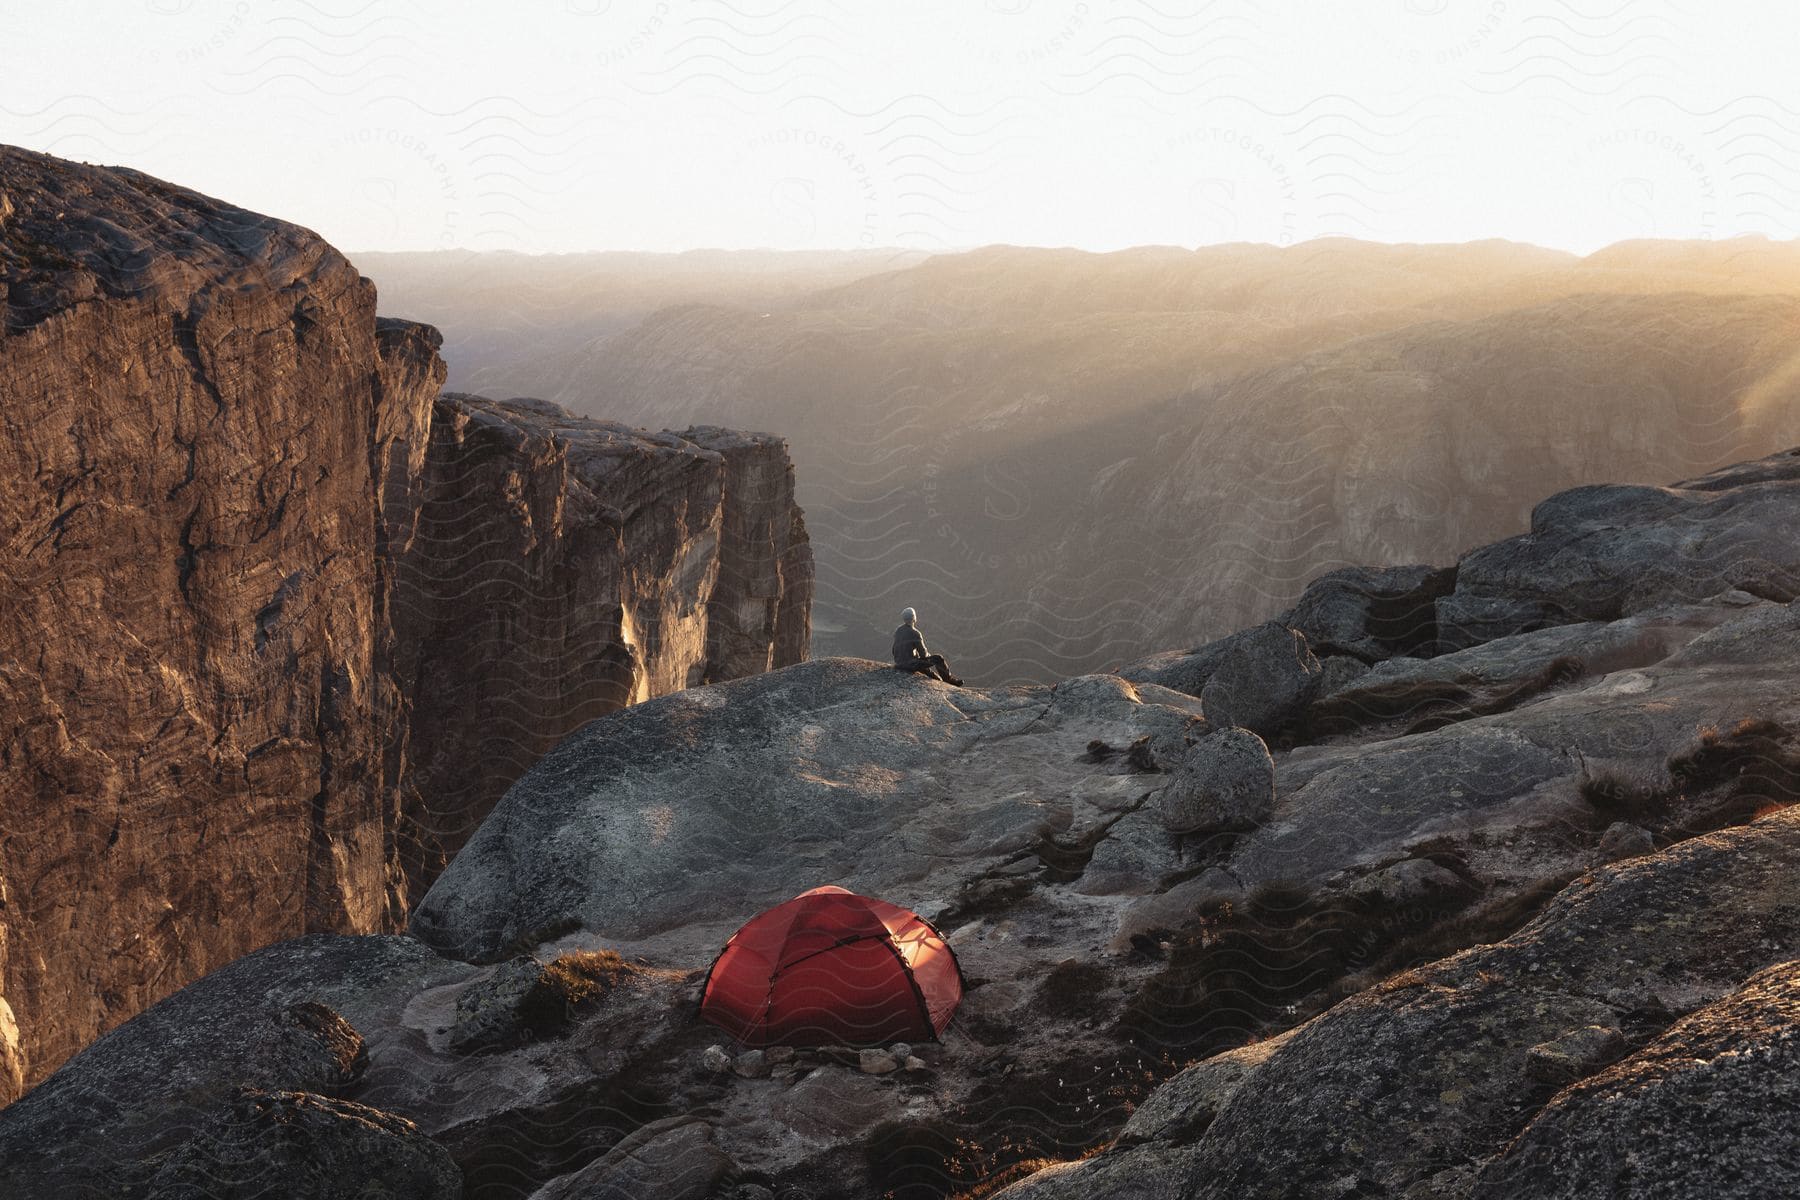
1262 682
1594 647
1183 670
835 771
1357 803
1344 615
1226 782
288 1018
1506 787
1372 613
1611 550
1707 1109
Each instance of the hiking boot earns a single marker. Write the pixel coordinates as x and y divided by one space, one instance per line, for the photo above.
953 681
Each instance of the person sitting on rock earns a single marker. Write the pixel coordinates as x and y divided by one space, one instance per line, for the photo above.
910 653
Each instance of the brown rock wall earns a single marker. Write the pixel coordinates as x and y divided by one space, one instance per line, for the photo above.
278 624
190 738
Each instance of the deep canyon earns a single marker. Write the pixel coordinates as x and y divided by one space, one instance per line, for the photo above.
383 765
280 621
1067 460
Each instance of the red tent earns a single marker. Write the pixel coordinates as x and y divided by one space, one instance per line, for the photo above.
830 966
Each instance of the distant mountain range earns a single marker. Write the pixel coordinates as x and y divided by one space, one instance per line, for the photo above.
1066 459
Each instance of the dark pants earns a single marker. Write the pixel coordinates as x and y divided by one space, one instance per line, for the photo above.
932 664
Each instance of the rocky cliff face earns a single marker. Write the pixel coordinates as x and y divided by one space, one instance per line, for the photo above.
222 631
564 567
1469 923
194 699
760 613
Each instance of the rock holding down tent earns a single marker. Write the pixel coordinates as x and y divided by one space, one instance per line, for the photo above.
877 1062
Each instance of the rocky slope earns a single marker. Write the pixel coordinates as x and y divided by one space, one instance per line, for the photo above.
225 624
1468 921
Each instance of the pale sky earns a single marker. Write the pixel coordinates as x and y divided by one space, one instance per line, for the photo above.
555 125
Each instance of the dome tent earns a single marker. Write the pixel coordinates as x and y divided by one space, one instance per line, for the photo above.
830 966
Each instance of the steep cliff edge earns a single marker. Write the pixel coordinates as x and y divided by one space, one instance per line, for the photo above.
191 668
760 616
562 568
224 630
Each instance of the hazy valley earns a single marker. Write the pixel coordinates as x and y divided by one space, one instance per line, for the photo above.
1068 460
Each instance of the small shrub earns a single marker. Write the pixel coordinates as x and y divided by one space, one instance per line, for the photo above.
984 895
1069 988
908 1159
1011 1125
1142 758
1478 925
1754 769
1008 1177
1250 968
1623 796
1726 777
571 981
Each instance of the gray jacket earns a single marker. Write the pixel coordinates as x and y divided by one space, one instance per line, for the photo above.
908 646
